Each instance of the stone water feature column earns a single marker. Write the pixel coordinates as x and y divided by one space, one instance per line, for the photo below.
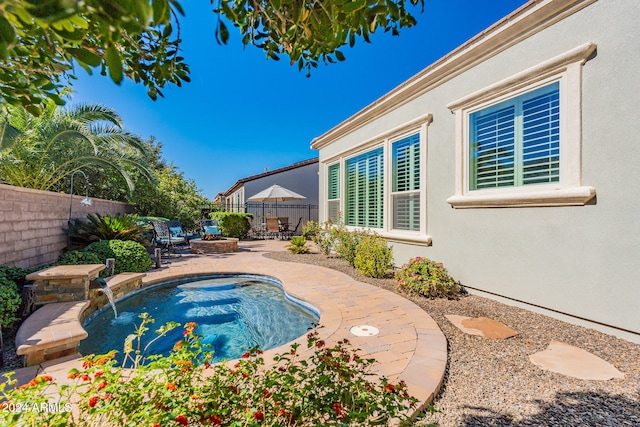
64 283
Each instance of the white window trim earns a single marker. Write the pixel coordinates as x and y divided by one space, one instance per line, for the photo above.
386 140
569 191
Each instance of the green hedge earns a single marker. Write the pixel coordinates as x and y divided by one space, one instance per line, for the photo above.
130 256
78 258
233 224
10 301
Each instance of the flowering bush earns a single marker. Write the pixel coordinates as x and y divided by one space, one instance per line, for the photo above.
427 278
329 388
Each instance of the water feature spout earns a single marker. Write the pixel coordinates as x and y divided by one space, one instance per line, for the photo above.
107 291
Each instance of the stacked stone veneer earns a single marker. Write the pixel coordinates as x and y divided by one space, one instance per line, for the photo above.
33 223
64 283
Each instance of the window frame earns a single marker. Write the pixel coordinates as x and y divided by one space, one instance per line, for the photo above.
411 192
566 70
383 166
328 191
514 125
417 126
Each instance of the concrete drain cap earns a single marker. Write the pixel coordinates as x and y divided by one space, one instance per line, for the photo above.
364 331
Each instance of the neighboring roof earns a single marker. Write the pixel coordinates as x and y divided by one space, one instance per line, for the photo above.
241 181
530 18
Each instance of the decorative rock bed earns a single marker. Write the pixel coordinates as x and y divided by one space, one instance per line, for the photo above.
218 246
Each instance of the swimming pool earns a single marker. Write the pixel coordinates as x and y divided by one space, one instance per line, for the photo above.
233 313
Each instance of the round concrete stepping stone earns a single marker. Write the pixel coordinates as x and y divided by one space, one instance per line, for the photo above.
482 326
574 362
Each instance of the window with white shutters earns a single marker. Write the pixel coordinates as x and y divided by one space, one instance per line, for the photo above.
516 142
333 192
364 198
406 183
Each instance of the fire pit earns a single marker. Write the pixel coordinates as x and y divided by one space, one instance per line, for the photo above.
216 246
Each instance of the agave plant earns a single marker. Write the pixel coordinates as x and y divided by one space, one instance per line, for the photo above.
108 227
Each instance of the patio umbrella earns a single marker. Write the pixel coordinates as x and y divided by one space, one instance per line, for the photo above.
276 194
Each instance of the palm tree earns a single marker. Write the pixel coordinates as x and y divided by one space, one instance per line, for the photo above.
42 152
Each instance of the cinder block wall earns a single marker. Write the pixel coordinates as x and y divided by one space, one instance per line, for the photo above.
33 223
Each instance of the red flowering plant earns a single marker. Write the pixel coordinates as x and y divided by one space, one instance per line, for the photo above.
329 386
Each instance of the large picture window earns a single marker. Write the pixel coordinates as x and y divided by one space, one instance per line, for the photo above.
364 198
406 183
516 142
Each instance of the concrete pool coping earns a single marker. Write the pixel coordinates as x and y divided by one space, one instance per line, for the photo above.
409 347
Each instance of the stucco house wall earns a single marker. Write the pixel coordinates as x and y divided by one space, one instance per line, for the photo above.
302 180
301 177
565 260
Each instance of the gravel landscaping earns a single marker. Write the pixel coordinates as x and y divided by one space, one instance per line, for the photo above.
492 383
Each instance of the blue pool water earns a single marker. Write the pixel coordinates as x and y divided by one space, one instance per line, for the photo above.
233 313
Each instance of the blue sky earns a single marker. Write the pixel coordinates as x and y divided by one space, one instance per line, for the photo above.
242 113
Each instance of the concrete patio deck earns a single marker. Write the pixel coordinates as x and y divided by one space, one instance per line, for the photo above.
409 347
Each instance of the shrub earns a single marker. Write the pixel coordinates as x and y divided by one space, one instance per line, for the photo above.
15 274
321 235
427 278
346 243
78 257
311 229
130 256
373 256
298 245
233 224
332 387
116 227
10 301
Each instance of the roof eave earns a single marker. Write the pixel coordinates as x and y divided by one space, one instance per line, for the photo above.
525 21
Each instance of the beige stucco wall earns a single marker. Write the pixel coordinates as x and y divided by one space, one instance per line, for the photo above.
581 261
33 223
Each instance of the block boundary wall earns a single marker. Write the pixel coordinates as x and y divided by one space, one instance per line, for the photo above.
33 223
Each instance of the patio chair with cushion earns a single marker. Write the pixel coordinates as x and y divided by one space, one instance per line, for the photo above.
177 233
273 227
210 229
162 236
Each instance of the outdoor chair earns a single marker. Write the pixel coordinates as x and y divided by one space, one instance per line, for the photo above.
288 233
177 233
162 237
210 229
256 232
273 227
283 222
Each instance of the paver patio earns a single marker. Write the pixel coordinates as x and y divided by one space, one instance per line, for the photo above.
409 347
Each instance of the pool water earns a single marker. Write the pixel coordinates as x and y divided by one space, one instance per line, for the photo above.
233 314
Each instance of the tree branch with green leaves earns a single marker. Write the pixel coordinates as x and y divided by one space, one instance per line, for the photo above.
42 42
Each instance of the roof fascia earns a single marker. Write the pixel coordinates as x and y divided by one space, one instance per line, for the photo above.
529 19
